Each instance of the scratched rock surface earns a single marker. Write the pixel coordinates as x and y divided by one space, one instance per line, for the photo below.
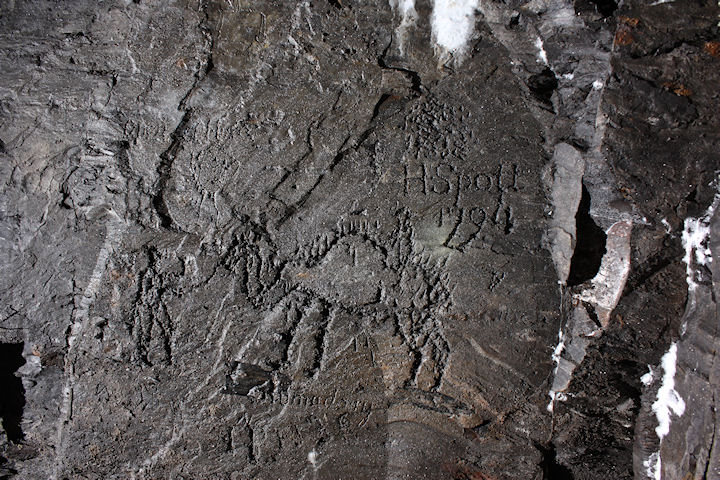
367 240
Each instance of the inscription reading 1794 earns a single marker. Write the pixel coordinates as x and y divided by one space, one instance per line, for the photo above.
464 203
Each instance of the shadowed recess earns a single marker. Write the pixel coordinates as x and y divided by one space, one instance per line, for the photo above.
550 468
590 246
605 7
542 85
12 393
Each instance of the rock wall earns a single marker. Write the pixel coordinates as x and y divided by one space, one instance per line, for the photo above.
359 239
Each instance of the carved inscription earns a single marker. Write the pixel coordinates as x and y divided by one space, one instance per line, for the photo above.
464 203
444 178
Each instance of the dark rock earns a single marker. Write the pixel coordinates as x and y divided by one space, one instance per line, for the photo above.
330 240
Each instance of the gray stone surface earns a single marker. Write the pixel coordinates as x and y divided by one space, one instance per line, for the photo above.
283 240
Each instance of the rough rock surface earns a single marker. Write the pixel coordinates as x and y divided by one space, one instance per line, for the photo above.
333 240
